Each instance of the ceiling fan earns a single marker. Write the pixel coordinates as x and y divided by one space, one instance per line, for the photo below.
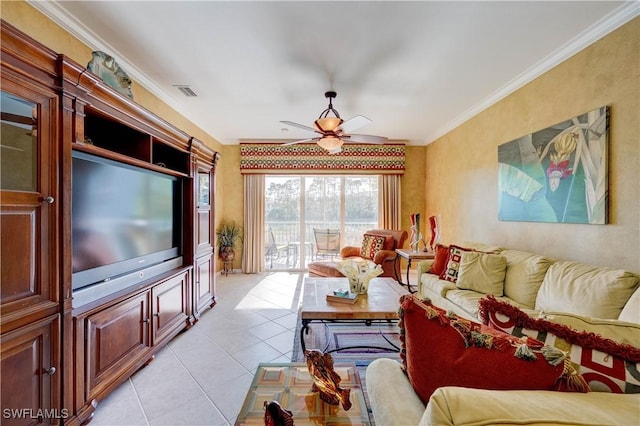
333 131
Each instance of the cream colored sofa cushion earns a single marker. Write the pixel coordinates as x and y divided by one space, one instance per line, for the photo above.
631 311
482 272
449 406
525 272
435 284
616 330
392 399
585 290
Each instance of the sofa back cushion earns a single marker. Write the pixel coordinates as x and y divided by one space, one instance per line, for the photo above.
446 350
583 289
525 272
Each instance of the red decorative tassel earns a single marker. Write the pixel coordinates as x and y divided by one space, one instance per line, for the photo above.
570 380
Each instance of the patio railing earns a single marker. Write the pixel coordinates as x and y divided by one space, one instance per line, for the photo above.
289 232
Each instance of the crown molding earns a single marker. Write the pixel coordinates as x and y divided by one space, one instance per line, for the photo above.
623 14
607 24
60 16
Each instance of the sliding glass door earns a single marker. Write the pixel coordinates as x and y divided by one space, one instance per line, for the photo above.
296 205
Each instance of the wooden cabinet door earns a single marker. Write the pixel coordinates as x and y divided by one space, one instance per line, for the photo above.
204 293
169 301
30 374
28 203
117 338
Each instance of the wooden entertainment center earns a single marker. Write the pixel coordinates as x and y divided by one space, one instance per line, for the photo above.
63 350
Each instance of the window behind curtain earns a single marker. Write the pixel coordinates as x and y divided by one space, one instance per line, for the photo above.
294 205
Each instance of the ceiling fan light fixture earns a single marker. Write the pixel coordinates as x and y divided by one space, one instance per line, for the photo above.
328 124
330 144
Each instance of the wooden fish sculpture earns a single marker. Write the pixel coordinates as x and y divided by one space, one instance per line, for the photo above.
325 380
276 415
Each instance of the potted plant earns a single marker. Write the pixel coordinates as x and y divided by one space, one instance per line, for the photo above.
227 235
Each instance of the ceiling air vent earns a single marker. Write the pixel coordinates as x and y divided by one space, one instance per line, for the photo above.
186 90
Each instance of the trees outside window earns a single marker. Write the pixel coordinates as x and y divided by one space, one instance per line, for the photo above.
297 204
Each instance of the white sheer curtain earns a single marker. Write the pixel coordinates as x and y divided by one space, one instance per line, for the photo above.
253 251
389 202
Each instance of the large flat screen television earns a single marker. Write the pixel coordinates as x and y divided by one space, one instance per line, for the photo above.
125 219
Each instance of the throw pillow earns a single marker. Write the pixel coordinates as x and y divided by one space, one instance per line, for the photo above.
616 330
440 259
482 272
450 272
445 350
371 244
606 365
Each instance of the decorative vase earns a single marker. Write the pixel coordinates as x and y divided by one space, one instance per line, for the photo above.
227 253
359 273
359 285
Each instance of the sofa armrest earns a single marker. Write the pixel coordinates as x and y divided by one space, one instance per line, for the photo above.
349 251
422 267
391 396
384 256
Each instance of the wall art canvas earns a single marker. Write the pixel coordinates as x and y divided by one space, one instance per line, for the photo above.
559 174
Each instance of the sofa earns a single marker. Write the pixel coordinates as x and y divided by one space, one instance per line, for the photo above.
587 311
378 245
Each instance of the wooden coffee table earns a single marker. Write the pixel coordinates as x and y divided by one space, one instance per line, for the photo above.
380 304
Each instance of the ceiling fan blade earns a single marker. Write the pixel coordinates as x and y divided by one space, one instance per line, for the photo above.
300 126
299 141
379 140
354 123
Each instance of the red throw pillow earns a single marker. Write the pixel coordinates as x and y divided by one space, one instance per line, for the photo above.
441 350
440 260
450 272
607 366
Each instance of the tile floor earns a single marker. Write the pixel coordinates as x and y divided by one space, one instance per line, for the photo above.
201 377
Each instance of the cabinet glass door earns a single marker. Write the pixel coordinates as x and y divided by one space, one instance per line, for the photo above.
28 154
18 144
203 188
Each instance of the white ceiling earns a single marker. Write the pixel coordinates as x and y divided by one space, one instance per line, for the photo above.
417 69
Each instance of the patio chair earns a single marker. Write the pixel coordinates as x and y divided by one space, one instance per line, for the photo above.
274 249
327 241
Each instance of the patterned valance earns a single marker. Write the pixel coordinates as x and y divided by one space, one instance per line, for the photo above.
309 158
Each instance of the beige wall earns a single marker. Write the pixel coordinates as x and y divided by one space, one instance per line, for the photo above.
230 200
413 193
461 179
